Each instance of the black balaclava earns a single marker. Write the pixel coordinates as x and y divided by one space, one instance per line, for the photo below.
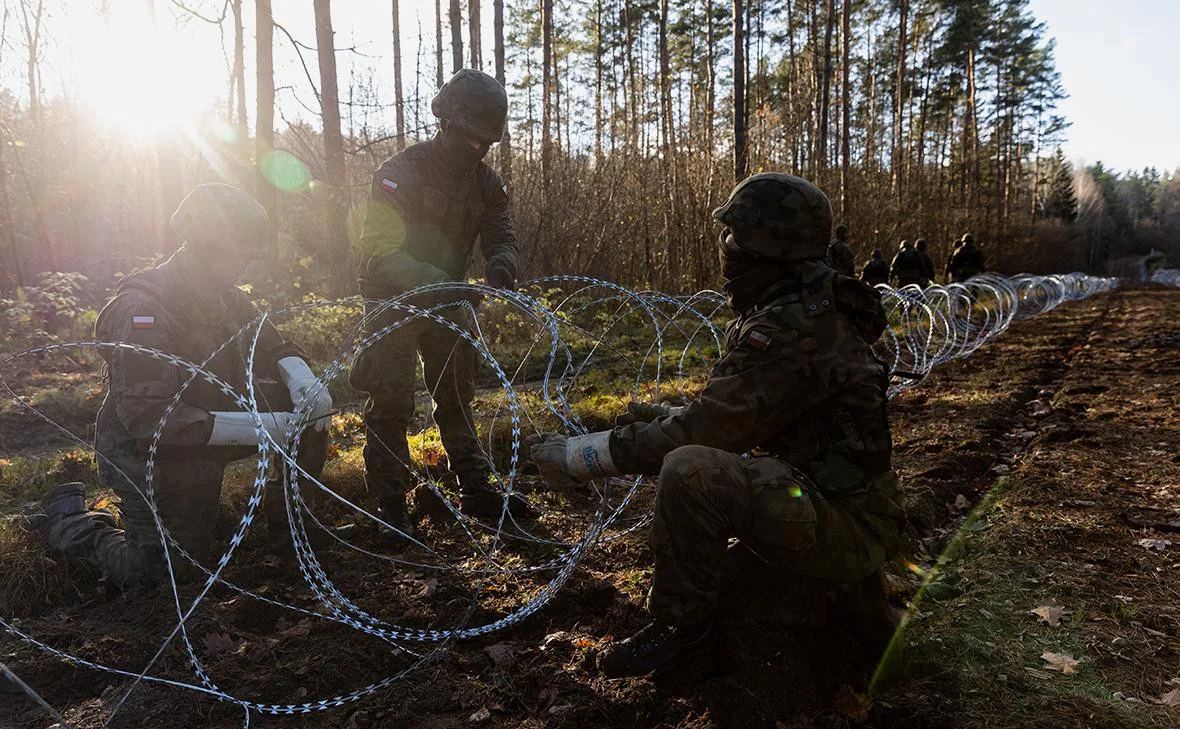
460 155
746 277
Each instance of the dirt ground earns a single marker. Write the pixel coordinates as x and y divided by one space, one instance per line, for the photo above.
1042 480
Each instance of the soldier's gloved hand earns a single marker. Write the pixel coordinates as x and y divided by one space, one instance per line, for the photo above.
303 385
645 412
563 461
236 428
500 276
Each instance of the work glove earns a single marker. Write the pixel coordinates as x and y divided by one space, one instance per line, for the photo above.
500 276
303 385
645 412
564 461
236 428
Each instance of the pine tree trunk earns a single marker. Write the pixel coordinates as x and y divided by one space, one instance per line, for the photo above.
438 44
546 88
239 72
846 92
264 135
399 99
475 31
822 157
498 51
598 118
336 200
711 81
740 151
899 98
456 19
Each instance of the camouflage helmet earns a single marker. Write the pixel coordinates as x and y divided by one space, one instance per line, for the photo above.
905 243
221 216
920 244
474 102
841 231
778 216
967 238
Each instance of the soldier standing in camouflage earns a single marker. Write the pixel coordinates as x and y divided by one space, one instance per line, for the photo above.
966 261
876 271
927 262
427 207
799 392
906 268
840 255
187 306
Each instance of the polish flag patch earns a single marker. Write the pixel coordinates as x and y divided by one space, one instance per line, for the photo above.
758 340
388 184
143 322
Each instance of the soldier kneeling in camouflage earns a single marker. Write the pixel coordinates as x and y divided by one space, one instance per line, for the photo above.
787 448
187 306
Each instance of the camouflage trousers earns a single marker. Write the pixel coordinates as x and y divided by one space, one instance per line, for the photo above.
387 371
706 496
187 491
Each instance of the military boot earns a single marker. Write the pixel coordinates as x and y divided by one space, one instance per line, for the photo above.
394 513
65 500
659 648
484 504
864 610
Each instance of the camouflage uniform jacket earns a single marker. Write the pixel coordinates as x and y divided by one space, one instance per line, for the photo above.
907 266
422 221
966 262
162 308
797 381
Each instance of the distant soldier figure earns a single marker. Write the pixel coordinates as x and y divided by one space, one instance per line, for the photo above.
840 255
906 268
428 206
954 249
966 261
876 271
187 306
927 262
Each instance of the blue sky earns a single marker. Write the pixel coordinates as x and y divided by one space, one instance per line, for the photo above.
1118 61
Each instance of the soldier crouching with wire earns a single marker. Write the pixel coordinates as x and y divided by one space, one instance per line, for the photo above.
787 448
188 307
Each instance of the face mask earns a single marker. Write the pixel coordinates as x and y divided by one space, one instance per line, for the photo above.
459 154
734 261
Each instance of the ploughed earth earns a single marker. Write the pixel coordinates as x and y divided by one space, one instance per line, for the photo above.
1042 580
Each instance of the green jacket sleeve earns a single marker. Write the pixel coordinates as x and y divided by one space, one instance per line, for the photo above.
141 385
497 237
386 267
762 383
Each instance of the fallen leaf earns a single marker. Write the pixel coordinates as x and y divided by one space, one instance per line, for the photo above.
428 587
218 643
1157 544
303 627
851 704
1060 662
502 654
1051 613
481 714
961 502
1172 698
560 636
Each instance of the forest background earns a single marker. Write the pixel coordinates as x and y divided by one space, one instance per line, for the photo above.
629 121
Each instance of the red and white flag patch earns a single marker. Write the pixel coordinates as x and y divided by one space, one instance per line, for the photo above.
758 340
143 322
388 184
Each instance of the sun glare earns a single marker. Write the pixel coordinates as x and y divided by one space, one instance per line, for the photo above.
142 79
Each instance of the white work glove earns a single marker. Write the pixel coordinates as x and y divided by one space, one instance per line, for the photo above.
563 460
301 382
235 428
645 412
